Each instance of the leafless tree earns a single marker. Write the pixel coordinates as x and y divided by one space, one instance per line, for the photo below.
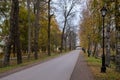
67 9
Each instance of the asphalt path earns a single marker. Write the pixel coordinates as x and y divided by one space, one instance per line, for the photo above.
59 68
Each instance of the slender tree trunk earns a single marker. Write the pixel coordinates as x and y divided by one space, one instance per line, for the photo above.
65 44
97 51
19 56
15 25
108 47
70 40
89 51
7 50
37 28
95 47
14 51
117 22
29 30
61 49
49 20
62 37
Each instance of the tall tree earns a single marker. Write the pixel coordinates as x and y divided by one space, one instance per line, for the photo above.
67 10
16 25
29 30
49 20
14 36
37 27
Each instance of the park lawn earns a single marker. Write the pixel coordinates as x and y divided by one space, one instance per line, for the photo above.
95 66
42 58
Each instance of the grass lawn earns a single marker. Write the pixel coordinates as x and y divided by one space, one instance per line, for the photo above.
42 58
95 65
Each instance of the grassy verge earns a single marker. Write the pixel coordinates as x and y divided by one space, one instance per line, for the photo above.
95 65
41 58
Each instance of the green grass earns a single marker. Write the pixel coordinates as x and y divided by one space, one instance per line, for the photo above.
14 65
95 65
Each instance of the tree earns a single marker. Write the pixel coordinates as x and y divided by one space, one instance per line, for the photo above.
29 30
67 9
49 20
23 24
37 28
14 36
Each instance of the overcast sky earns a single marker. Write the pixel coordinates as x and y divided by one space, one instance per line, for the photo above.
76 20
77 16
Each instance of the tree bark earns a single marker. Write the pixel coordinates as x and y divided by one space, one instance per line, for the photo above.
49 20
117 22
66 14
95 47
15 24
14 36
37 28
29 30
107 62
7 50
62 37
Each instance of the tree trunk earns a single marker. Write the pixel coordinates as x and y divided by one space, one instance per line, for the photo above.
13 38
95 47
17 34
70 45
118 52
65 44
62 37
7 50
37 28
29 30
117 22
49 20
107 62
96 50
89 51
14 51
